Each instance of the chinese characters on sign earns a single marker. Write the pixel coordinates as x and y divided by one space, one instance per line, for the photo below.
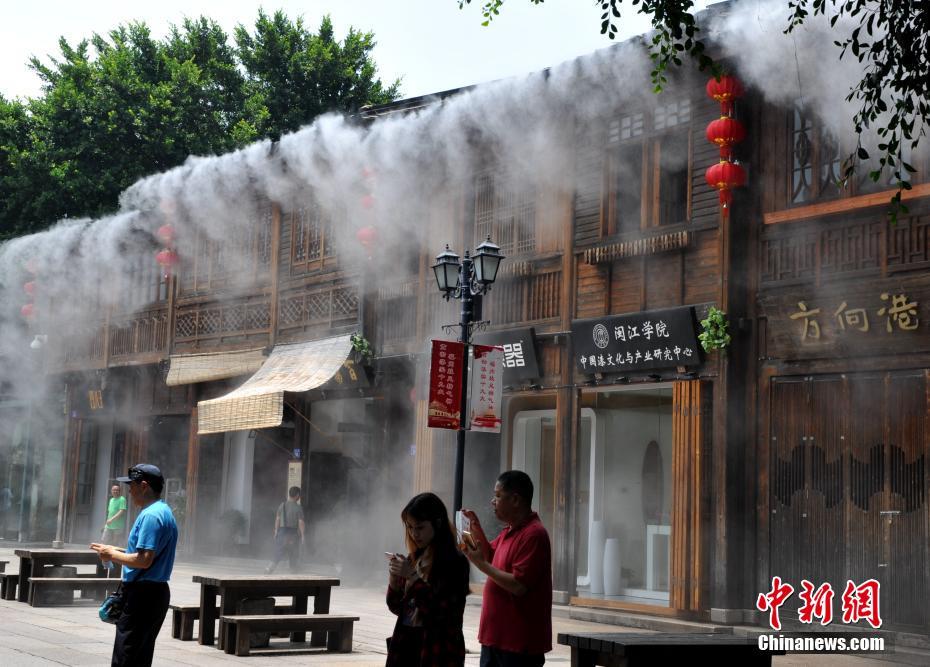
485 393
654 339
520 363
445 385
860 603
897 313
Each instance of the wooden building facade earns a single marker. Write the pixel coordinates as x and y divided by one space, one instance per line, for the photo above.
678 490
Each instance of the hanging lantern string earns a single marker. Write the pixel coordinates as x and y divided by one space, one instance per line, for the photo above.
725 132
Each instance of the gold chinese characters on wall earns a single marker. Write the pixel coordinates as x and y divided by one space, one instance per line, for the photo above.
894 312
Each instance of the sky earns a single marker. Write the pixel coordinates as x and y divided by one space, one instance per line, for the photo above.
431 44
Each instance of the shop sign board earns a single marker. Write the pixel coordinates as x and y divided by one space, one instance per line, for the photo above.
637 342
519 345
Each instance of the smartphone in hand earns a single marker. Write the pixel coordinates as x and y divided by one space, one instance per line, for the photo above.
469 539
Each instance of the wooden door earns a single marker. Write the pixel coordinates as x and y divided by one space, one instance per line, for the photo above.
849 487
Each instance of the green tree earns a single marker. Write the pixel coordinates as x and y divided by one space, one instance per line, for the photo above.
117 107
891 38
297 75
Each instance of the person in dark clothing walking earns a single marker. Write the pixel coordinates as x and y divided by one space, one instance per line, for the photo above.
147 565
288 530
427 590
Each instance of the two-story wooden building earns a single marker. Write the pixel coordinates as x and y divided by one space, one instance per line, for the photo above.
672 481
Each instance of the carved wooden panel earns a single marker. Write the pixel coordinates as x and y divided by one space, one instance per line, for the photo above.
83 347
334 306
822 251
851 248
909 244
789 258
143 333
220 320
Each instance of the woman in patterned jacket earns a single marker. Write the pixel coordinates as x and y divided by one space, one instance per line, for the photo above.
427 590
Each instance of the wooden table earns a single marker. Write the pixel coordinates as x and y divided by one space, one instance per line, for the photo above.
620 649
232 589
32 563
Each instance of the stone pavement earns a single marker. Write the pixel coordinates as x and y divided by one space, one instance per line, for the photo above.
74 635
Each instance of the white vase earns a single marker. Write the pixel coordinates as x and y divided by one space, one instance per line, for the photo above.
596 557
612 566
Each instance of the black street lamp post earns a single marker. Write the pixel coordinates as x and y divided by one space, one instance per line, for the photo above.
465 280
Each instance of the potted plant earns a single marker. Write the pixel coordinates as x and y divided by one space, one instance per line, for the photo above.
714 330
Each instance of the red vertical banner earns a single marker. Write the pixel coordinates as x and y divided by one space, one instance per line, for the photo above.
487 376
445 385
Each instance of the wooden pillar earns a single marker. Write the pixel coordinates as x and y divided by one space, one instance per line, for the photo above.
276 221
691 498
423 461
193 468
567 420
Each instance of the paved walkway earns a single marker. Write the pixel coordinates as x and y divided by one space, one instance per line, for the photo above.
74 635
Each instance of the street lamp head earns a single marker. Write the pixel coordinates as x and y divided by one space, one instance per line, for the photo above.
446 269
487 261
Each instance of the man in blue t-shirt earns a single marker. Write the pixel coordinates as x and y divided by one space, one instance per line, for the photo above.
147 564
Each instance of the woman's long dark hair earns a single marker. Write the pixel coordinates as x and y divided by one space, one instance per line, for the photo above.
445 553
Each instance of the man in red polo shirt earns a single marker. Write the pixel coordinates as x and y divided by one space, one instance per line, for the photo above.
516 613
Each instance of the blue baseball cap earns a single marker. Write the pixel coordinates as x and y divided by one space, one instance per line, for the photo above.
144 472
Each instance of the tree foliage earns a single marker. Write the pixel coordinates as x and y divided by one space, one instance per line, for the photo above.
891 38
116 107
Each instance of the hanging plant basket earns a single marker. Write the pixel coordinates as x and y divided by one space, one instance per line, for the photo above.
714 331
364 354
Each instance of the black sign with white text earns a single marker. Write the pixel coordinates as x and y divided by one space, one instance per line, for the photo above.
519 353
641 341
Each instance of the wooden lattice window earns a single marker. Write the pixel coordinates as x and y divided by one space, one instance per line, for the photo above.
648 167
242 257
506 213
312 237
817 157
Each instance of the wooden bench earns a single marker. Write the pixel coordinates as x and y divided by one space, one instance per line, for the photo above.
184 615
8 583
182 620
338 629
100 586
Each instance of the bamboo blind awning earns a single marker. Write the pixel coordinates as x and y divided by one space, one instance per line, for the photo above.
208 366
259 402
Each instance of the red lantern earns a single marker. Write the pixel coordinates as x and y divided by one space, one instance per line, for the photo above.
368 201
725 132
28 311
367 236
166 258
725 90
165 234
723 177
30 288
367 173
